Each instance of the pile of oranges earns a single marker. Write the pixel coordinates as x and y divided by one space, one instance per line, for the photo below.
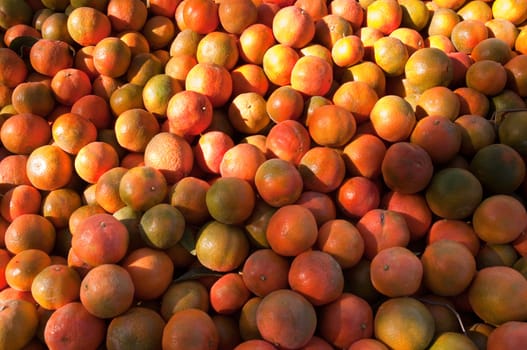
263 174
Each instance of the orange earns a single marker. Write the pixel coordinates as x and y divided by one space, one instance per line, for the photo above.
63 327
254 40
188 196
350 10
235 15
434 130
289 328
330 28
17 71
33 97
428 67
152 182
456 230
342 328
242 161
513 11
291 230
15 14
48 167
21 269
71 132
14 131
342 240
278 182
247 113
185 42
363 155
189 113
19 320
48 56
384 15
126 15
492 49
212 80
100 239
134 128
200 16
70 84
171 154
185 294
284 103
331 125
228 294
88 25
438 101
278 62
472 102
491 284
404 322
322 169
265 271
454 193
293 26
256 225
233 241
317 276
509 334
249 78
320 204
312 75
392 118
317 9
136 41
78 215
54 27
367 344
111 57
107 190
124 97
177 67
407 167
94 159
357 195
191 329
138 326
347 51
144 65
450 338
210 149
439 258
480 73
230 200
107 291
151 271
288 140
58 205
391 54
20 199
515 81
219 48
508 168
56 285
159 31
396 272
373 227
499 228
414 209
510 128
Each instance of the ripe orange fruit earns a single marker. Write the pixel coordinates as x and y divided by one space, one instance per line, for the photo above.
188 196
293 26
19 320
70 84
285 103
480 73
509 334
278 182
189 113
385 15
88 25
292 327
218 47
391 54
150 180
247 113
107 291
373 227
404 322
151 271
439 258
100 239
499 219
331 125
71 132
29 231
317 276
357 195
342 328
33 97
393 118
171 154
312 75
200 16
228 294
189 294
21 269
21 199
407 167
63 327
363 155
190 328
265 271
291 230
322 169
14 131
56 285
230 200
491 284
396 272
111 57
212 80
